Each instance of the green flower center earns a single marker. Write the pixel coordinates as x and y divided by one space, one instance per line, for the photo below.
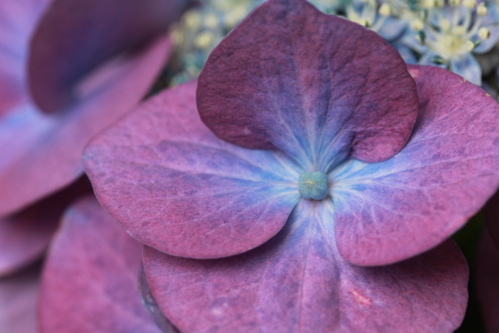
313 185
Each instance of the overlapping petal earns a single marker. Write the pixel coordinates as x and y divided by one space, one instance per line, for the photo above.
285 78
176 187
298 282
42 153
389 211
25 236
18 299
17 21
487 282
73 37
89 282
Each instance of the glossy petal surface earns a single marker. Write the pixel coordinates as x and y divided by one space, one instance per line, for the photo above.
42 153
26 235
89 282
176 187
285 78
18 298
492 218
390 211
298 282
487 282
73 37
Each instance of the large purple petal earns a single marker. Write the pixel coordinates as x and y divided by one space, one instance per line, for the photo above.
492 218
17 21
89 282
313 85
393 210
26 235
298 282
487 282
73 37
42 153
177 187
18 299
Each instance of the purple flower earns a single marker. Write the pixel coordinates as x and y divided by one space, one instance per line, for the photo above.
314 150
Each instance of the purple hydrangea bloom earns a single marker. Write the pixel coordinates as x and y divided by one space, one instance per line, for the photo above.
312 148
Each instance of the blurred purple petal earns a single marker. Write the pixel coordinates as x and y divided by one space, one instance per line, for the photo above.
176 187
89 282
42 153
73 37
18 300
25 236
286 78
17 21
298 282
390 211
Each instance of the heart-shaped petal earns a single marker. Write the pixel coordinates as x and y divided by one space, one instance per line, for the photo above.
393 210
313 85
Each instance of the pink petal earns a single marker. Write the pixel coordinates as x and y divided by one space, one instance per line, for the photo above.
18 299
17 22
89 282
313 85
176 187
390 211
73 37
42 153
25 236
298 282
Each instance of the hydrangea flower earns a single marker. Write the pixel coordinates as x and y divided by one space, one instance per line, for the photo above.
450 35
315 150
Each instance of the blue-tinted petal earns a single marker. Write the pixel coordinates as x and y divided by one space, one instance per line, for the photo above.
467 66
389 211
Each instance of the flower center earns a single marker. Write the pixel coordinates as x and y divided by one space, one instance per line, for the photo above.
313 185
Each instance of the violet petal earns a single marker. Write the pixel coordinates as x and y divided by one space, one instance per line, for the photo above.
42 153
176 187
18 299
89 282
390 211
298 282
313 85
25 236
73 37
